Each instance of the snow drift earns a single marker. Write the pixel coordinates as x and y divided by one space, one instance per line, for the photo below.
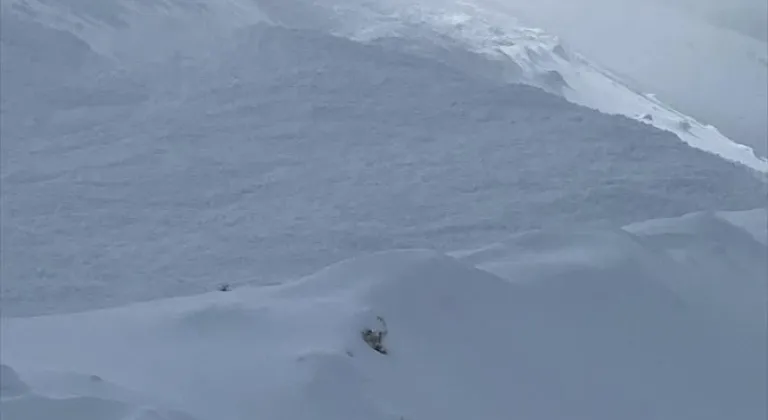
590 324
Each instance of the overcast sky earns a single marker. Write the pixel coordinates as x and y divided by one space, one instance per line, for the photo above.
749 17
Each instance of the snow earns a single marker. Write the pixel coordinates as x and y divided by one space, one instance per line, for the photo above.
137 37
547 61
435 172
280 151
677 49
752 221
552 324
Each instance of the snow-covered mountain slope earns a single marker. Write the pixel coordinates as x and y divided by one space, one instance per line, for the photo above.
266 152
139 34
542 60
158 149
327 149
715 259
685 51
574 324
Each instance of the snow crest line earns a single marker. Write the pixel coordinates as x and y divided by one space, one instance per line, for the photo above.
555 325
548 63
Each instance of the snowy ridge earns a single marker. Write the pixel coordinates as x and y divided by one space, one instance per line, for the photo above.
278 151
136 33
543 60
596 324
610 95
158 149
714 74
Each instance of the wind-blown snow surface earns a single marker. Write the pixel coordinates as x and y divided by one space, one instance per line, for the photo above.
575 324
157 149
255 152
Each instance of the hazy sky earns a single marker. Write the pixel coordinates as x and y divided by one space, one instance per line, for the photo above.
749 17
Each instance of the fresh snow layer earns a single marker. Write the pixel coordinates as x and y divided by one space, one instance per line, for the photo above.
563 324
266 153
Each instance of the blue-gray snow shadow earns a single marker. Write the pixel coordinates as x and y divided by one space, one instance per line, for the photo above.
301 149
54 83
630 312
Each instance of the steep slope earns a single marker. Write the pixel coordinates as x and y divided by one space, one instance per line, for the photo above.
684 55
256 153
585 324
326 149
536 57
164 40
156 149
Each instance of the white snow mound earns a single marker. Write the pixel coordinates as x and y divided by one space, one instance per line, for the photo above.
63 398
599 324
